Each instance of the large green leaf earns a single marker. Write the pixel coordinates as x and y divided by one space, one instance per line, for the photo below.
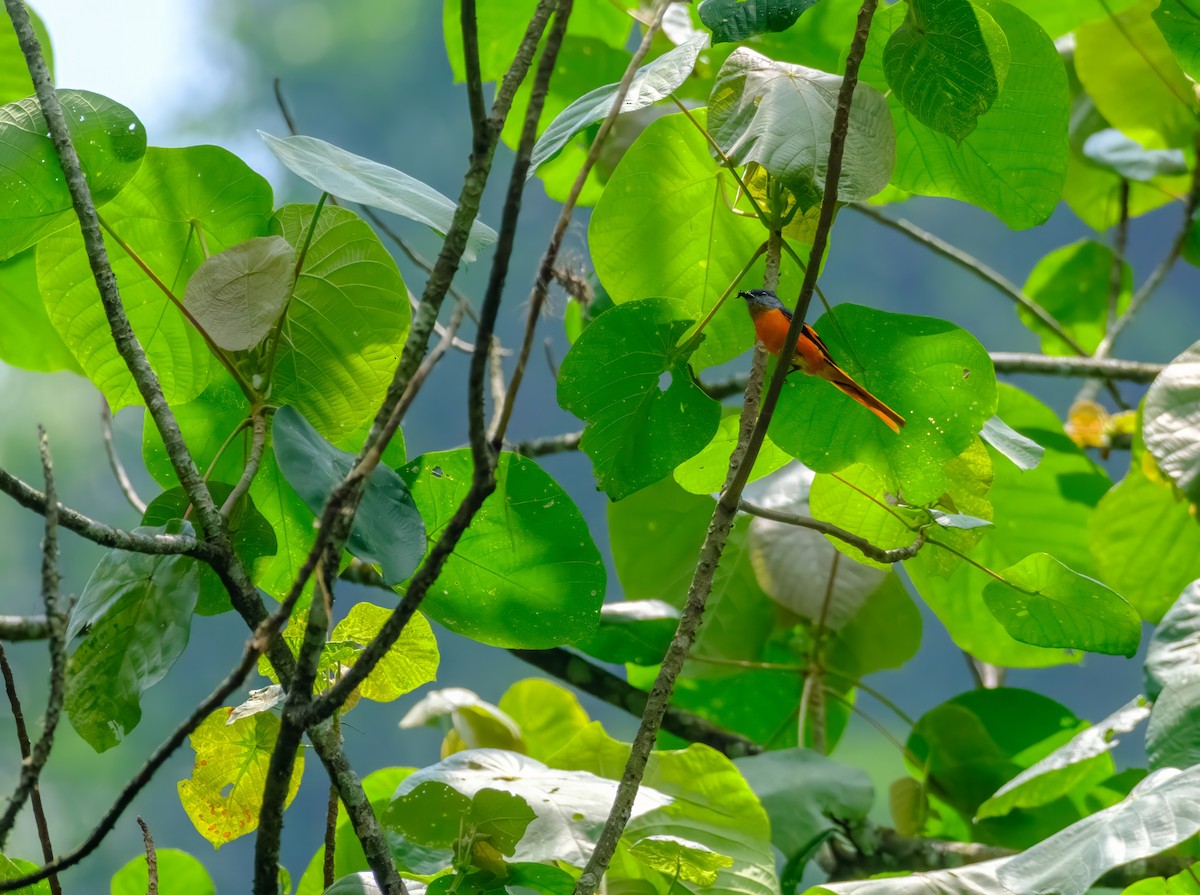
669 194
1150 572
1180 26
14 71
654 81
935 375
780 115
705 472
1175 644
1038 510
637 631
736 20
1066 15
1171 421
1074 767
946 64
387 529
346 322
712 805
28 339
178 874
1073 283
138 613
991 167
353 178
1043 602
638 430
238 295
110 141
526 573
182 206
569 803
1171 735
1130 73
547 714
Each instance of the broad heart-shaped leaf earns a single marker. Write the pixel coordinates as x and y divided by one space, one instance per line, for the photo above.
1112 149
356 179
138 610
1180 27
387 531
1148 572
654 81
1074 767
1175 644
1043 602
1072 283
28 339
110 141
570 804
736 20
638 431
239 294
526 574
1043 509
705 472
805 793
712 805
968 747
1129 71
680 859
1171 421
182 205
251 534
637 631
946 64
990 168
178 873
223 796
345 324
935 375
781 115
15 82
669 193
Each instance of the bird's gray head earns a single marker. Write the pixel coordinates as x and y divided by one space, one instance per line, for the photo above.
761 299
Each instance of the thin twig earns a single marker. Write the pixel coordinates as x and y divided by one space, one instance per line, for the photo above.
16 628
897 554
496 378
114 461
258 443
1120 244
151 858
329 857
551 444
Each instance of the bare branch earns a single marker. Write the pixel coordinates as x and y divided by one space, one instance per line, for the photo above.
15 628
114 462
258 443
551 444
898 554
151 858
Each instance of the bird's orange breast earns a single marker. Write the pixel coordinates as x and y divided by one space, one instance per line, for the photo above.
772 328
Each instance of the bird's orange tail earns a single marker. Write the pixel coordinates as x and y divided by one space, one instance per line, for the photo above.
842 382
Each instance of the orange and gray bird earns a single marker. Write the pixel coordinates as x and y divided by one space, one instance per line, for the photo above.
771 323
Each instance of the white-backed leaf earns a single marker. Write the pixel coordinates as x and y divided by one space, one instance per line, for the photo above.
238 295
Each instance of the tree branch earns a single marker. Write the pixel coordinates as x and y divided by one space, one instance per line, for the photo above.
258 443
151 859
16 628
879 554
114 461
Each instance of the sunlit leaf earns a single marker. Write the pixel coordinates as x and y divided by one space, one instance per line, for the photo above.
526 574
28 339
469 721
15 82
637 631
223 796
1024 452
411 661
1171 426
178 874
639 428
1180 26
238 295
1175 644
705 472
1171 734
547 714
680 859
1073 284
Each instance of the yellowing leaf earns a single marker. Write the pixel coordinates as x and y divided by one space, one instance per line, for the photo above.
411 662
224 794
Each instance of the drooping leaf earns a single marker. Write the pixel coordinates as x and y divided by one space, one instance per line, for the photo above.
1148 572
638 429
28 339
181 206
1073 283
178 874
346 322
388 529
669 194
1112 149
238 295
654 81
736 20
568 804
109 138
356 179
680 859
780 115
1129 71
805 794
990 168
1043 602
261 700
526 573
138 613
1171 421
1075 766
637 631
946 64
935 375
469 721
1180 27
1175 643
223 796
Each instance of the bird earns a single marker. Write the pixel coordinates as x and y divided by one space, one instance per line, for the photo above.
771 322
